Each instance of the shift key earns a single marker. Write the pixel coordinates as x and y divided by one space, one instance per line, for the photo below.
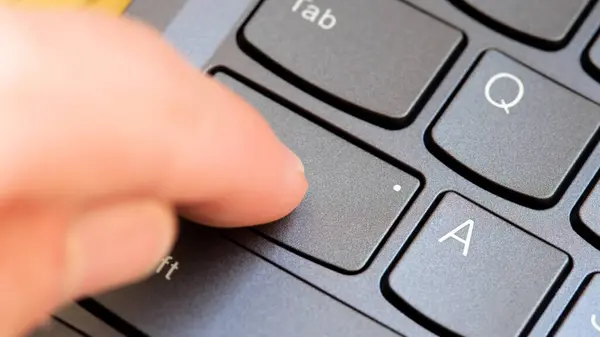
375 59
354 197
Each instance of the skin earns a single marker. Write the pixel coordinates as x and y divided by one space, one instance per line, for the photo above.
106 133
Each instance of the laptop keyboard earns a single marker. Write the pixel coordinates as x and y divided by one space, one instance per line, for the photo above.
451 148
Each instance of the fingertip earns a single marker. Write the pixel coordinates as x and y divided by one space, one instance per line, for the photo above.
233 168
257 206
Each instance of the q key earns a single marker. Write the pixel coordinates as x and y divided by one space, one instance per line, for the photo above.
513 131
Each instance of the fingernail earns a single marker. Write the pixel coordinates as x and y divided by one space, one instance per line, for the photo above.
115 245
299 164
292 158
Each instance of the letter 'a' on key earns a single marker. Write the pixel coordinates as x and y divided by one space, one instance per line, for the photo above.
466 241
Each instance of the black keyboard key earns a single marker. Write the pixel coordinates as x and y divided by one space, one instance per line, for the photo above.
222 290
589 215
354 197
472 273
583 320
376 59
545 24
516 132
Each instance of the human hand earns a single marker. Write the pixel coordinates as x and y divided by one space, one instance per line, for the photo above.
104 132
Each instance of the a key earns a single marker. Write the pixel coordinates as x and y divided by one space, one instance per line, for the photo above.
589 214
583 319
111 6
515 132
210 287
376 59
472 273
545 24
354 197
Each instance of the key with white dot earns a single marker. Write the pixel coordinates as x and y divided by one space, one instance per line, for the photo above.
354 197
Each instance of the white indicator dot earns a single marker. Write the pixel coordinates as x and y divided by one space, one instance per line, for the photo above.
397 188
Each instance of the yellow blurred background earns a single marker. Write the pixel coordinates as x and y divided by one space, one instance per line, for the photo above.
112 6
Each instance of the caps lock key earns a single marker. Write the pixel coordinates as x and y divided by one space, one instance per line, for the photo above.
375 59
